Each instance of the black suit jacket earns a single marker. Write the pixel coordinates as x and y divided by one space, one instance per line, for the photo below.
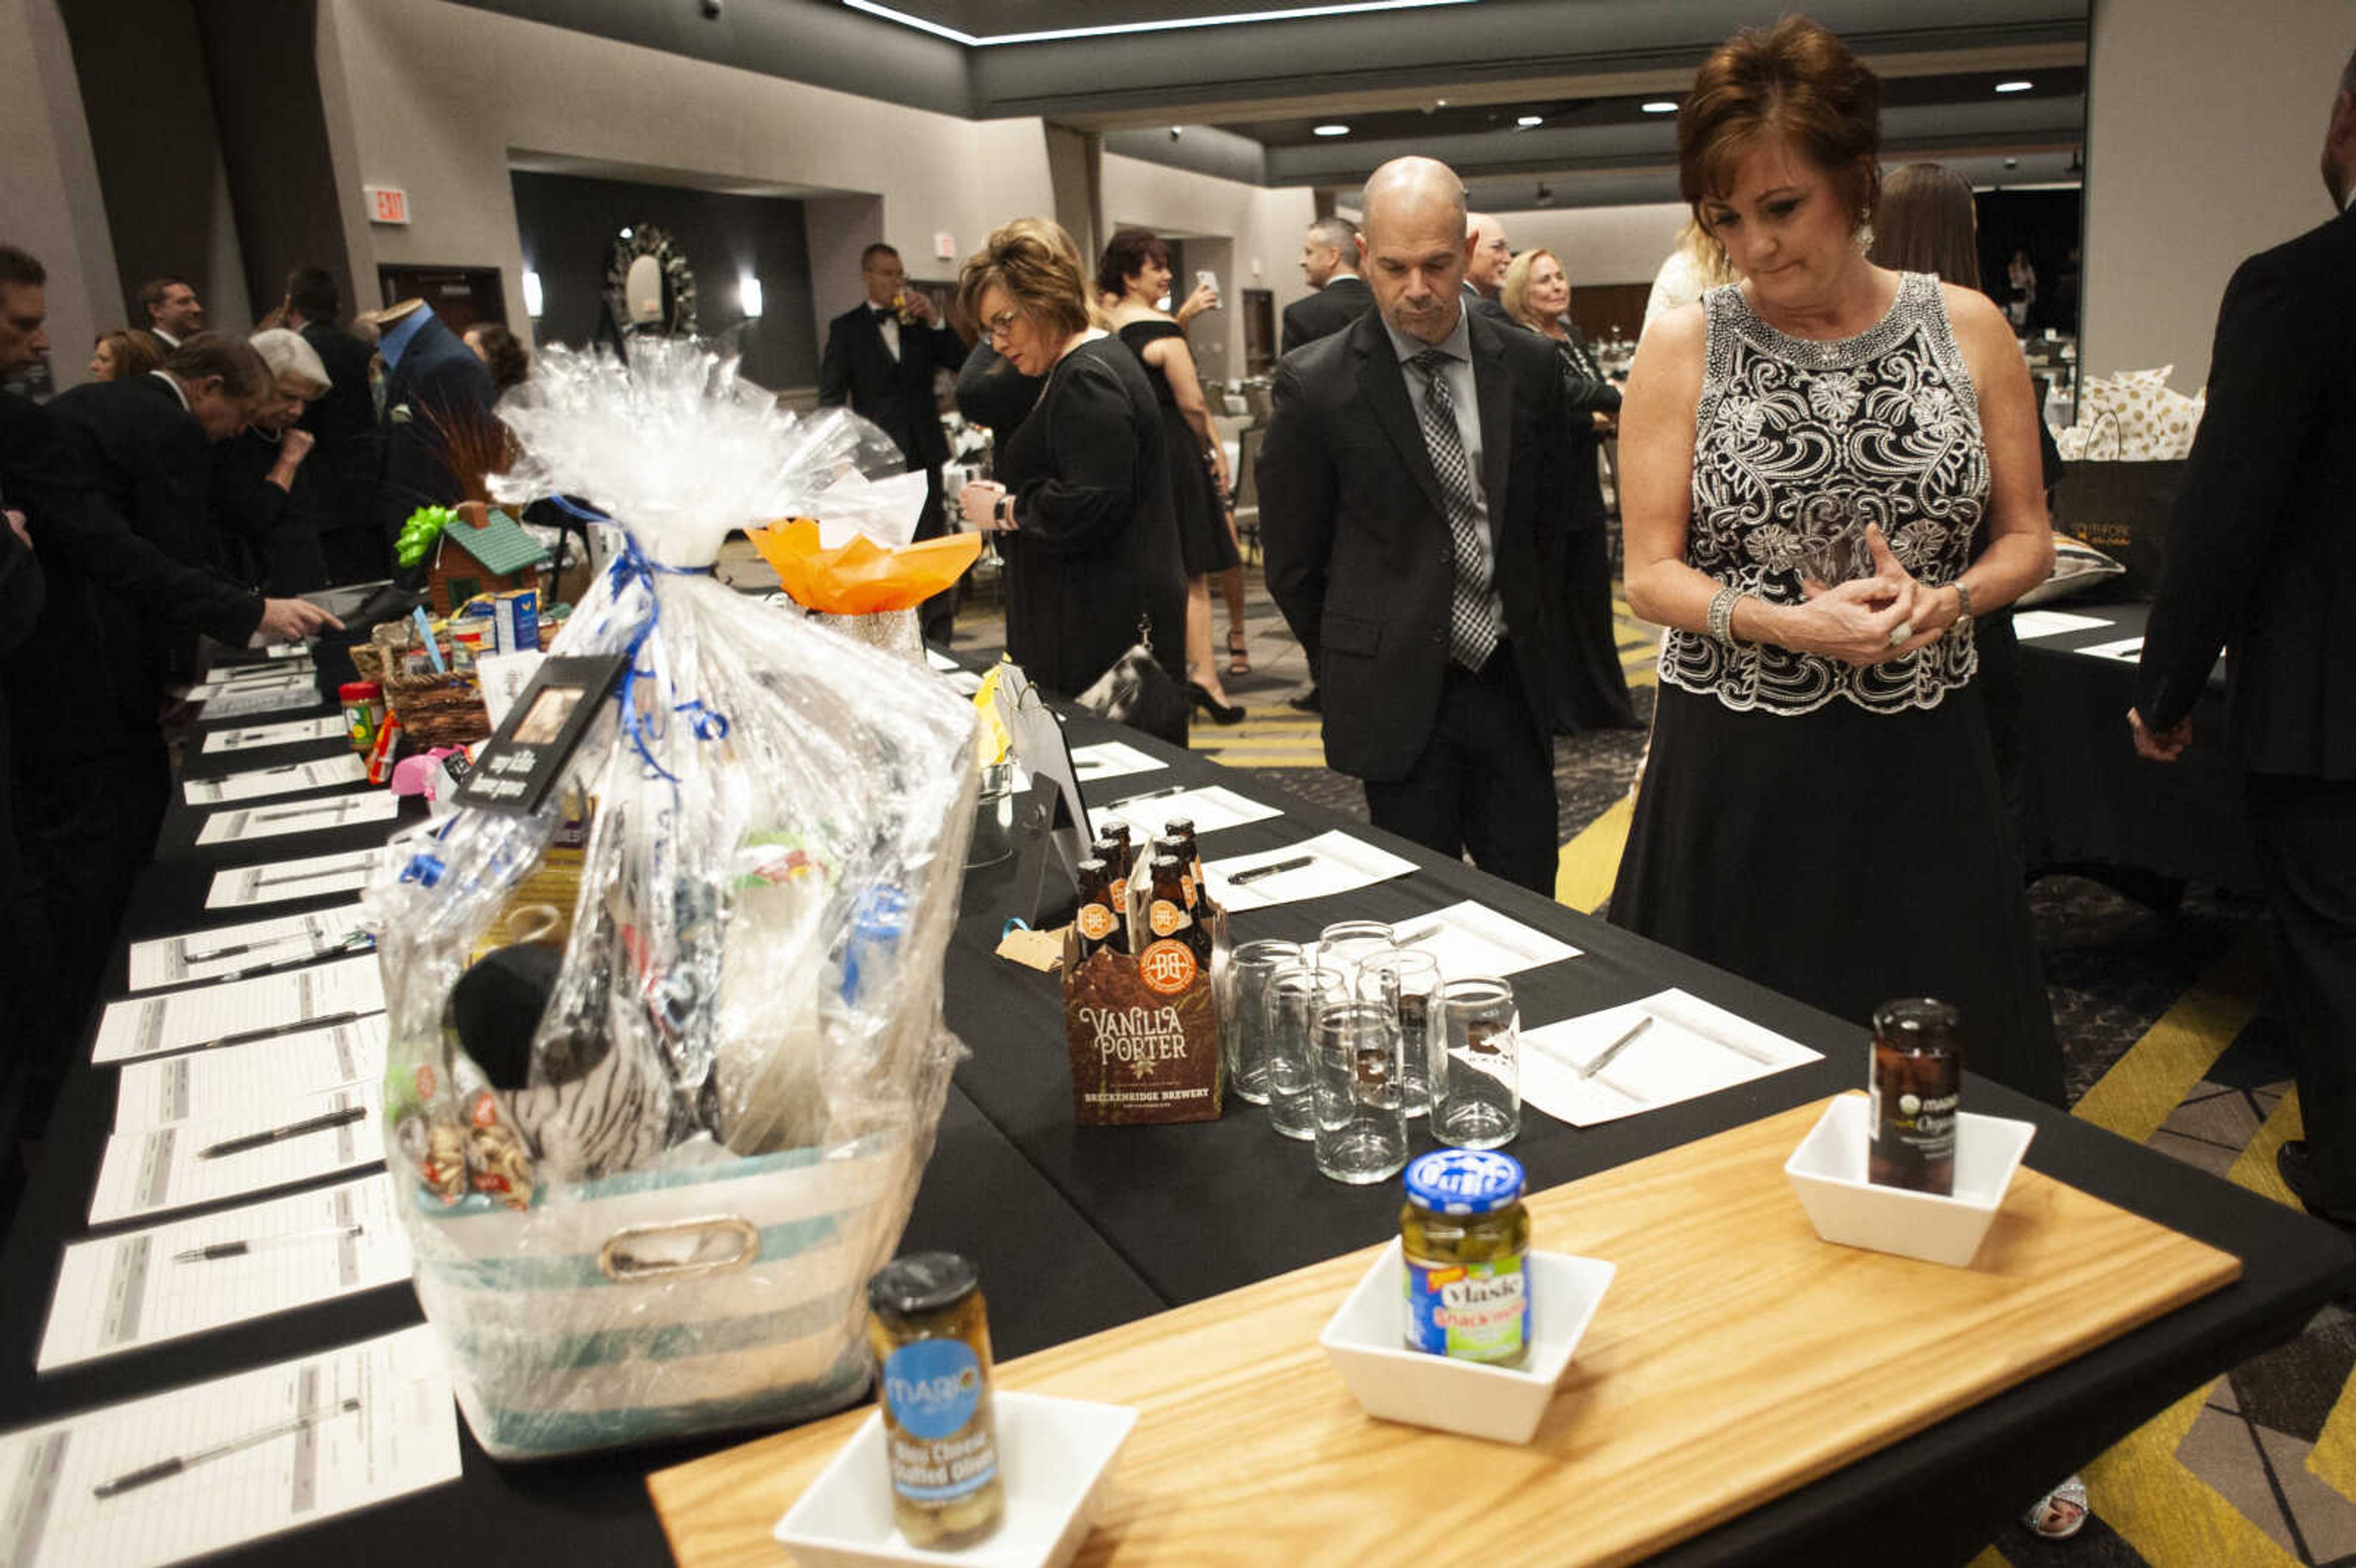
2262 553
1343 300
437 374
125 542
347 413
898 394
1358 541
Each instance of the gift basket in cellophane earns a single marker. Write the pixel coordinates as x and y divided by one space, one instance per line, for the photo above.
667 1051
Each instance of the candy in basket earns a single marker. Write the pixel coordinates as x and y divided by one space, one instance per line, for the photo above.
667 1052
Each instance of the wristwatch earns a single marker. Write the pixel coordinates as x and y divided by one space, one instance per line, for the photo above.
1004 511
1963 626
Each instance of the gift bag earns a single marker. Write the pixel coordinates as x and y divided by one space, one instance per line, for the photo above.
2122 506
666 1050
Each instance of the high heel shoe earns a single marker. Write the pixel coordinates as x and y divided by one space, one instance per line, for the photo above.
1220 712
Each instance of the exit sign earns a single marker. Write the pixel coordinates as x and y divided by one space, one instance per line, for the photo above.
386 203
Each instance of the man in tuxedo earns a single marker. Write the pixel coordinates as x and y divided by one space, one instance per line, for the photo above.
433 383
124 538
1485 275
174 311
1329 260
2262 559
880 358
1414 463
341 423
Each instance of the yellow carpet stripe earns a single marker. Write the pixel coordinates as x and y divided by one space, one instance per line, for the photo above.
2254 1168
1991 1558
2172 1517
1583 873
2151 1080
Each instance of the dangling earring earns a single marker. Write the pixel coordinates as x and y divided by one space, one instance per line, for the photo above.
1864 235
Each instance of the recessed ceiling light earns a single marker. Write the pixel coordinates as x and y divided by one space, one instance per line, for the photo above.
1661 106
2014 86
1527 121
1332 130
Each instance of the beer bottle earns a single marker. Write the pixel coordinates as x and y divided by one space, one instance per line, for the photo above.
1116 890
1169 911
1117 830
1165 845
1181 831
1097 921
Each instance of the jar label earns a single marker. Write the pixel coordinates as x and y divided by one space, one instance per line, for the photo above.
933 1392
1475 1312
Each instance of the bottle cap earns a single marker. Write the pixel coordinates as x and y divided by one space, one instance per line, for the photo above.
1918 1023
359 691
1463 1181
922 1282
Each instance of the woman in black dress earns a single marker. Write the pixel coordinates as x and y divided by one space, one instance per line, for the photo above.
1135 271
1828 467
1081 503
1591 688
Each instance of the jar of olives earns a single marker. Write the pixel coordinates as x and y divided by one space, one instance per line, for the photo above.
930 1332
1465 1236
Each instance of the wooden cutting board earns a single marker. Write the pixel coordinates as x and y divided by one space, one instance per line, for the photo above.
1735 1358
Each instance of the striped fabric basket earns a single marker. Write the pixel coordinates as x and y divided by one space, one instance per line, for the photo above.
659 1305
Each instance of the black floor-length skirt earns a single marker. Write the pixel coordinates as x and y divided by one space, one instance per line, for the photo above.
1844 858
1204 541
1591 688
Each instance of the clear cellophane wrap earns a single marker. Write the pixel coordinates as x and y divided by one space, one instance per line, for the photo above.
659 1222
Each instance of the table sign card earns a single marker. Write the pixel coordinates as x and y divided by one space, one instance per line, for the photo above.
2126 650
1469 939
230 951
242 825
1212 807
250 1150
142 1288
234 1012
1111 760
2029 624
1313 868
209 1467
292 1070
282 880
521 764
325 773
1645 1054
291 732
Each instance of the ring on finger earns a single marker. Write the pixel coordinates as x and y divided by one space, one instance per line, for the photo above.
1901 632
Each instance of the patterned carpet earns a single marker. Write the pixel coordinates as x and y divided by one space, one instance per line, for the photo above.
2163 1042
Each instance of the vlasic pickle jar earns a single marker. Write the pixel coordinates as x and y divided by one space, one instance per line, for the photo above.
1466 1235
930 1332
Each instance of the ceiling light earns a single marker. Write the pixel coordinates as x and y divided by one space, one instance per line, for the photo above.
1527 121
1293 13
532 298
1332 130
2014 86
1661 106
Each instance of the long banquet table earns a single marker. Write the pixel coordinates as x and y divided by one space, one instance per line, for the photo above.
1079 1230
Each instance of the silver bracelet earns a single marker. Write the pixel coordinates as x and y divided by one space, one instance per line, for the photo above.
1721 613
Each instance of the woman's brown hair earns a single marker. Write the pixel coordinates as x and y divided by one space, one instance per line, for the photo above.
1042 278
1795 80
1923 224
1125 255
136 352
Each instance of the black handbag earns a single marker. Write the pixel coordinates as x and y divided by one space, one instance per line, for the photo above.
1138 692
2123 509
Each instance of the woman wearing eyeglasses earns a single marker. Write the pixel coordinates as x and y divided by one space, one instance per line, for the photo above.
1081 504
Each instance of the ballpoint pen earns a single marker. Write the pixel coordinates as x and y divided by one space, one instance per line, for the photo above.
1257 872
1150 794
215 1252
245 1037
338 805
358 942
1627 1038
340 869
163 1468
319 1123
1420 933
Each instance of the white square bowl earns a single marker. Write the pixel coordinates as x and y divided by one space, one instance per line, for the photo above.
1367 1341
1052 1456
1828 1172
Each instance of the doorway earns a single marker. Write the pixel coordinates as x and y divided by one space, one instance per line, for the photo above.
461 296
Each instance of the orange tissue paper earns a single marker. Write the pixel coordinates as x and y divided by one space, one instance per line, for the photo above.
860 578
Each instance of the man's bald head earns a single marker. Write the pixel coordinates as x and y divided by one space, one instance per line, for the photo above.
1413 245
1491 254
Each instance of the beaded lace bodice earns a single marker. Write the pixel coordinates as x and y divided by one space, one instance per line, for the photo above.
1797 446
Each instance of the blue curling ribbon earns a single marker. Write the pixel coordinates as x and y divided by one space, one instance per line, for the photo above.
707 724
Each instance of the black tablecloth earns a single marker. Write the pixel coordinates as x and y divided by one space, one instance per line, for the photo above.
2089 802
1077 1230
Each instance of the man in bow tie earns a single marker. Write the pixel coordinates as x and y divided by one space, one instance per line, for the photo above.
880 358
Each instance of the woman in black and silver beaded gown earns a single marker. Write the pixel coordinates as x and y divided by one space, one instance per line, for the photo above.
1807 455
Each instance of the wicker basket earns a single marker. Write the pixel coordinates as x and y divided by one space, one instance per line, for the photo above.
438 710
